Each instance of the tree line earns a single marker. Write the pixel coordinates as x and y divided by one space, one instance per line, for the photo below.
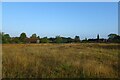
6 38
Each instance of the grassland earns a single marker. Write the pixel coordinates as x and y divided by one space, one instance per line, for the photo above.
84 60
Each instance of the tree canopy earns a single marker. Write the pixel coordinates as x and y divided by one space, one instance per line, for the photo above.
23 36
6 38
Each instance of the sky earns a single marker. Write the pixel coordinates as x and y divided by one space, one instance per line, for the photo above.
68 19
0 16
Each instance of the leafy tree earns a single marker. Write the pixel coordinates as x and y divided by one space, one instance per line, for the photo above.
15 40
69 40
52 40
114 38
34 36
23 37
44 40
38 37
58 39
6 38
77 39
111 36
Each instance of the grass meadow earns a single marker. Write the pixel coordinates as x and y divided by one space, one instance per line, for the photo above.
83 60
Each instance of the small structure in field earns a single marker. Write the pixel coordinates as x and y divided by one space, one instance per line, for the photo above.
32 40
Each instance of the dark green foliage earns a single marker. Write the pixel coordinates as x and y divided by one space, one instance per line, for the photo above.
33 36
77 39
114 38
67 40
44 40
85 40
23 37
52 40
16 40
70 40
58 39
98 37
38 37
64 40
5 38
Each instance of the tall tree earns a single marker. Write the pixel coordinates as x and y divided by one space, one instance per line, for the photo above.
6 38
38 37
34 36
23 36
98 37
77 39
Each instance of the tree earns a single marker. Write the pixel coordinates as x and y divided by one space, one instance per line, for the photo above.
85 40
33 36
98 37
23 37
52 40
116 39
44 40
38 37
6 38
113 38
15 40
63 40
69 40
77 39
58 39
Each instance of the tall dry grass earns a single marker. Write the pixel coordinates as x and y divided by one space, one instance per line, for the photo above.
60 60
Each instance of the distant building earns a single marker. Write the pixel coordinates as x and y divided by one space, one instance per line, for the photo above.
38 41
32 40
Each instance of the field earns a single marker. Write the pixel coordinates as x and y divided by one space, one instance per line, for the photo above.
84 60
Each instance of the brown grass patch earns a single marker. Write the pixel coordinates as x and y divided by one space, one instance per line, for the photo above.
85 60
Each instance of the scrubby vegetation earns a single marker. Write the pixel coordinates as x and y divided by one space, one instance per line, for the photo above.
6 38
83 60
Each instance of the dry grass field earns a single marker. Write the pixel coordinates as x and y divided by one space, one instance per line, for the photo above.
84 60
